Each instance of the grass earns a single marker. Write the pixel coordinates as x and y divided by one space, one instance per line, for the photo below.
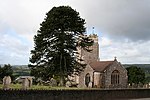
42 87
12 86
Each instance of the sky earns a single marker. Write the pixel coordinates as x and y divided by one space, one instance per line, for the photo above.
123 27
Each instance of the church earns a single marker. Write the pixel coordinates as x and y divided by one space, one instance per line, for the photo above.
100 74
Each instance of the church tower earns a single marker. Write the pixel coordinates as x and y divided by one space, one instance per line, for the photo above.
93 55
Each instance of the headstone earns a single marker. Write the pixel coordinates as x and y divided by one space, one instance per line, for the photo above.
145 86
53 82
30 81
68 84
25 83
90 85
6 82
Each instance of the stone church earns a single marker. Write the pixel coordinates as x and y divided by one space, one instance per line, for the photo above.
100 74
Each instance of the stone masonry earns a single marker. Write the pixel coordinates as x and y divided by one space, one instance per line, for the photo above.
102 74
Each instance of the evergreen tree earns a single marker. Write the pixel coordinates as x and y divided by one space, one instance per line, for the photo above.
55 50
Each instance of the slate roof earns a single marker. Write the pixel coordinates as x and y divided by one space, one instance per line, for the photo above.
100 66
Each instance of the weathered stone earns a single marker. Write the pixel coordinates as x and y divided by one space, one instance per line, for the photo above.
25 84
6 82
53 82
30 81
90 85
103 74
68 84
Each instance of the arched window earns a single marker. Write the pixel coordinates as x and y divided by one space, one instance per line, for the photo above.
115 77
87 79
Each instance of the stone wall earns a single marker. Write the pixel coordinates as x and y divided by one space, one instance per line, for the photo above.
89 70
92 55
97 79
74 94
122 76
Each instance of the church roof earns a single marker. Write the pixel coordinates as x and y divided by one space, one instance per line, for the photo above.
100 65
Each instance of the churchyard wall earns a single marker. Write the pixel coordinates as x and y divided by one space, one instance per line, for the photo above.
94 94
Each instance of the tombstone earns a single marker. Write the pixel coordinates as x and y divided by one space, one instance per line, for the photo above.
90 85
140 85
145 86
39 81
25 83
68 84
30 81
6 82
53 82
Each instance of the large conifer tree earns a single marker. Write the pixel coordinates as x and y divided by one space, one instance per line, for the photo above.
56 42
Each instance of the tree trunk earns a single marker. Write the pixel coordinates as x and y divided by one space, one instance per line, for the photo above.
61 80
61 72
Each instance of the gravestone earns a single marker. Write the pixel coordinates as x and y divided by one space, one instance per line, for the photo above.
30 81
90 85
68 84
53 82
25 84
6 82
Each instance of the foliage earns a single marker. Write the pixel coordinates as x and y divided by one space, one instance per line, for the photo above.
6 71
145 67
55 51
147 79
135 75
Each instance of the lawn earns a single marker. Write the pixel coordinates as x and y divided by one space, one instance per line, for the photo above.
42 87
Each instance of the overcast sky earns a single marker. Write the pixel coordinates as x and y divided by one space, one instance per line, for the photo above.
123 27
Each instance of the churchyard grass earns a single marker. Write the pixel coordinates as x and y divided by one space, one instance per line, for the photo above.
12 86
42 87
19 86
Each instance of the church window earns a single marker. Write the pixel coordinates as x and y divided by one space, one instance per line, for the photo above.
115 77
87 79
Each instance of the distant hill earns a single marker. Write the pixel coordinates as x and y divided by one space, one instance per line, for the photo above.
15 65
145 67
21 70
24 66
138 65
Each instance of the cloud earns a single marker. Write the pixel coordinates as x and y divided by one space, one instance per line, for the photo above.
127 52
118 18
13 50
19 22
123 27
104 42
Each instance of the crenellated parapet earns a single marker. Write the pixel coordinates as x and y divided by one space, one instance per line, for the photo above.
94 37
